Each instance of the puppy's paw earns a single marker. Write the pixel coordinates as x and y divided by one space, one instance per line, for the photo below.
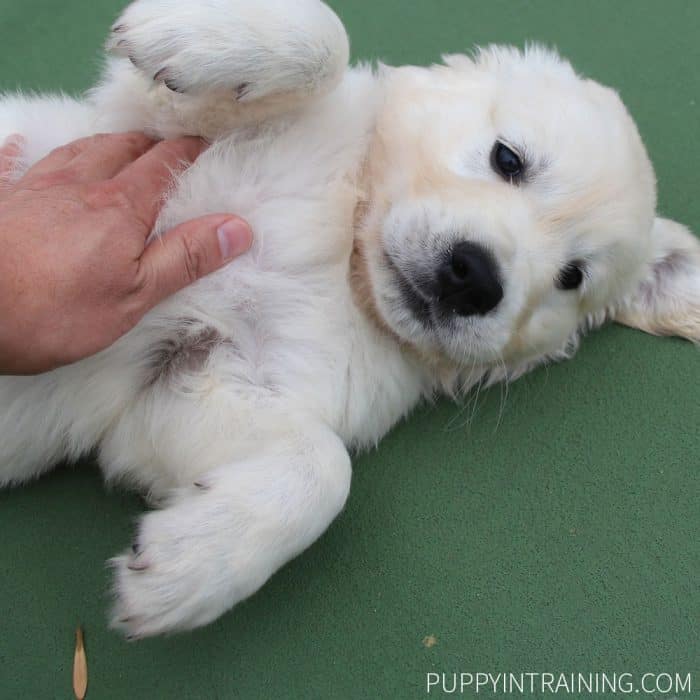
189 564
171 45
246 50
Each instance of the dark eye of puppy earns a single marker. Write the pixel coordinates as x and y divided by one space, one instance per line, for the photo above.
506 162
571 277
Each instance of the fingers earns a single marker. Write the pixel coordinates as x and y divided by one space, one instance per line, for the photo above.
147 179
91 159
106 155
10 151
191 251
133 162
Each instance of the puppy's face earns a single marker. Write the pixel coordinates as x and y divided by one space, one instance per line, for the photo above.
513 204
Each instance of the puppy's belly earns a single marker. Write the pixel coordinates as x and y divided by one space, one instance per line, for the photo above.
244 359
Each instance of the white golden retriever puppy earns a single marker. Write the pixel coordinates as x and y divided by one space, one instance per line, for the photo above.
418 230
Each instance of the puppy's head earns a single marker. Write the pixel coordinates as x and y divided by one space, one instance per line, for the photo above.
512 204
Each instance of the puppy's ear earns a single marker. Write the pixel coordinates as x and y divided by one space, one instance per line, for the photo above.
667 301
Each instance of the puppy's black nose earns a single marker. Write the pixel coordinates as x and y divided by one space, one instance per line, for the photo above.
468 281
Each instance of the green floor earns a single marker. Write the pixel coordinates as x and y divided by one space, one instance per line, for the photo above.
555 529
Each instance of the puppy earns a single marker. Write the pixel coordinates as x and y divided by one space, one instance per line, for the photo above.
419 230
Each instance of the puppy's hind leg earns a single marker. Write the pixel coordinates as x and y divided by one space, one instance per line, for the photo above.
33 436
223 536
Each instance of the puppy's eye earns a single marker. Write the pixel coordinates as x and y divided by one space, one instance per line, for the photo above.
506 162
571 277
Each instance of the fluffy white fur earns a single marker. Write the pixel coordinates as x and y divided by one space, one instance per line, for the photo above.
234 404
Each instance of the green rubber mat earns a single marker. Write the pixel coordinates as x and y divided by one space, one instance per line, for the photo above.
554 527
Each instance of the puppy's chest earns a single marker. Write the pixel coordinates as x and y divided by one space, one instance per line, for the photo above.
281 323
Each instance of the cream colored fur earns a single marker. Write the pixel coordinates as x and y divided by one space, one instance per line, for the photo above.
235 404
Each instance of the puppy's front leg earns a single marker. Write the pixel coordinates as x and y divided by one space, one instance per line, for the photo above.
249 48
222 538
211 66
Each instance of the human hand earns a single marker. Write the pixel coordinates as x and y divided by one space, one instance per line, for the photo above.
75 271
10 153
